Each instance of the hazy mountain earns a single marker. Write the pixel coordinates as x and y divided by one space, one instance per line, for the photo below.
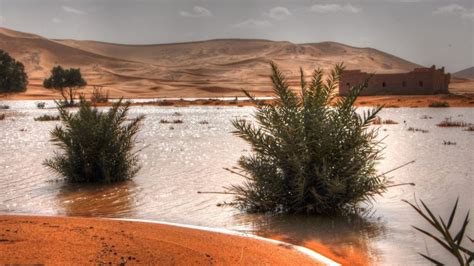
467 73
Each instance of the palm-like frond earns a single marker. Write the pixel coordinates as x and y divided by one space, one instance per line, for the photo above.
446 240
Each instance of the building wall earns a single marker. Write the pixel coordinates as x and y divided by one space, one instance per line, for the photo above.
420 81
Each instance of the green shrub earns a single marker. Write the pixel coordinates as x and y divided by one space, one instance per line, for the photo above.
308 156
41 105
47 118
12 73
438 104
97 146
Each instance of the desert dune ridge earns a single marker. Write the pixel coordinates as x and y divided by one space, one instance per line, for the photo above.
221 67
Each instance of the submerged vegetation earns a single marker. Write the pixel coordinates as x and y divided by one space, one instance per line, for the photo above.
308 156
412 129
47 118
380 121
97 146
450 123
453 243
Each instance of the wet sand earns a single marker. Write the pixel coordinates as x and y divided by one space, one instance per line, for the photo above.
65 240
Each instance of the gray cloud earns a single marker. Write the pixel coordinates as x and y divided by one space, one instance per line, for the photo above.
278 13
56 20
455 10
73 10
197 12
330 8
253 23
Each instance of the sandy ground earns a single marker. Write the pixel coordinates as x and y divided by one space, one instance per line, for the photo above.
66 240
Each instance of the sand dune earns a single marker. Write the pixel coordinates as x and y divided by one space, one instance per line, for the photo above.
467 73
194 69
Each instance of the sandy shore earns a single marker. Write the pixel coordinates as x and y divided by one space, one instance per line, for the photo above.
65 240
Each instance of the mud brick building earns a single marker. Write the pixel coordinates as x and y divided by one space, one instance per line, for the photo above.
420 81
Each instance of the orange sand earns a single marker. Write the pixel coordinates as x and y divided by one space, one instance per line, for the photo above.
66 240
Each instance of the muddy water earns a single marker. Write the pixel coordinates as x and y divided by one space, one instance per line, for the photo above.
181 159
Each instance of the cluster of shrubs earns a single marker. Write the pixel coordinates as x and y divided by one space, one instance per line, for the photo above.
4 107
99 95
412 129
176 121
47 118
450 123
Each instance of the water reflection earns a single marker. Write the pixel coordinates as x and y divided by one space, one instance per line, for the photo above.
93 200
346 237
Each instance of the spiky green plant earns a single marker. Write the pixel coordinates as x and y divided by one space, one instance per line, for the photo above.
96 146
308 156
451 243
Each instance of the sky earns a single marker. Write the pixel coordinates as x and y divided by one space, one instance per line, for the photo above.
426 32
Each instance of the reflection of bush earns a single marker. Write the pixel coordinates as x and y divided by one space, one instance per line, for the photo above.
103 200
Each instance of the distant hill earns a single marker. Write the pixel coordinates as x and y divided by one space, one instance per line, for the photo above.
467 73
214 67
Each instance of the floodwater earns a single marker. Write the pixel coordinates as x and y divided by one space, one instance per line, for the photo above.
181 159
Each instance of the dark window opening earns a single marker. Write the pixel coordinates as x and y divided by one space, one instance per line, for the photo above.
404 83
383 84
348 84
420 83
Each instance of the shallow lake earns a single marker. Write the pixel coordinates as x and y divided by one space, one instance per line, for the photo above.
178 160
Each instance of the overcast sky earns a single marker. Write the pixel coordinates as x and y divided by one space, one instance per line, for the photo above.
423 31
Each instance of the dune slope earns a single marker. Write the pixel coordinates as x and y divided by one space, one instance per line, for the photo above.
194 69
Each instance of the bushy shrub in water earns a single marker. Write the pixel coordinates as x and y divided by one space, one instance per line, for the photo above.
47 118
308 156
96 146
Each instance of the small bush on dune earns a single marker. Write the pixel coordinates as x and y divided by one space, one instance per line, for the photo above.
439 104
4 107
308 156
99 95
41 105
47 118
96 146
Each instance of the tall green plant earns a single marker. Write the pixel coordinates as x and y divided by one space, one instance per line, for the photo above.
96 146
308 156
453 243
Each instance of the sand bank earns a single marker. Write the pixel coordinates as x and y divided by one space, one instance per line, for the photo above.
65 240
